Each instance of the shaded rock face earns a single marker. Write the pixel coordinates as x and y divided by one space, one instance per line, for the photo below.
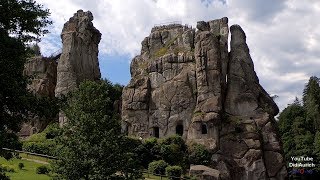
204 172
43 74
186 82
79 58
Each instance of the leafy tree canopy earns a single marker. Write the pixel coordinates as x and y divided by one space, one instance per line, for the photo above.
92 146
25 19
21 21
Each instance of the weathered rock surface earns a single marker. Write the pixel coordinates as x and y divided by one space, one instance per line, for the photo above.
43 75
79 58
63 73
204 172
185 82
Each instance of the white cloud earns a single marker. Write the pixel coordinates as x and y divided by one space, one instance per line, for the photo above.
283 36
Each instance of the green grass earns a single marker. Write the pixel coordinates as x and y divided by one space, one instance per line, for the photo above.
150 176
27 173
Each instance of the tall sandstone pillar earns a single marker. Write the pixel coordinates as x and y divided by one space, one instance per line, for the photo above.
79 58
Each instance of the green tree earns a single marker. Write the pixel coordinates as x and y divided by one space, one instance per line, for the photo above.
21 21
290 121
92 146
173 150
132 158
288 115
198 154
311 103
25 19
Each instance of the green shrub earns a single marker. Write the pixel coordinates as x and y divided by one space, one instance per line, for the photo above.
42 170
44 142
174 172
7 169
21 165
52 130
47 147
2 174
173 150
198 154
157 167
151 151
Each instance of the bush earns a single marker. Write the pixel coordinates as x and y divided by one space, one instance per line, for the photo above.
150 151
173 150
2 173
198 154
52 131
44 142
7 169
47 147
42 170
21 165
157 167
174 172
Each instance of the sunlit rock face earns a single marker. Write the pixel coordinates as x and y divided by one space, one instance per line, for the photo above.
186 82
79 58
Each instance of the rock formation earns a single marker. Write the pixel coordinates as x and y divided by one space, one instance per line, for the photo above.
185 82
79 58
43 74
63 73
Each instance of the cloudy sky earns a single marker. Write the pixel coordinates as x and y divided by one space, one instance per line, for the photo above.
283 35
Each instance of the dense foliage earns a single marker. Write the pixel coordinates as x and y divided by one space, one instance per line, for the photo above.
42 170
299 125
174 172
92 146
21 21
198 154
158 167
25 19
44 142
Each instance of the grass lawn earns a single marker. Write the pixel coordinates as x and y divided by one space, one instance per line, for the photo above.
27 173
153 177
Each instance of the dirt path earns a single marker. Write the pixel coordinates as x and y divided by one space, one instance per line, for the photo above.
34 160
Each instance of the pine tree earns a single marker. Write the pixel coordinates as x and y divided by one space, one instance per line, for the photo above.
311 102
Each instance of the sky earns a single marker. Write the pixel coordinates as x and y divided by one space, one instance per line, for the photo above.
283 35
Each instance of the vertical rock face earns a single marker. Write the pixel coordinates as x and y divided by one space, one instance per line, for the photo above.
63 73
248 134
211 60
161 96
43 74
79 58
185 82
